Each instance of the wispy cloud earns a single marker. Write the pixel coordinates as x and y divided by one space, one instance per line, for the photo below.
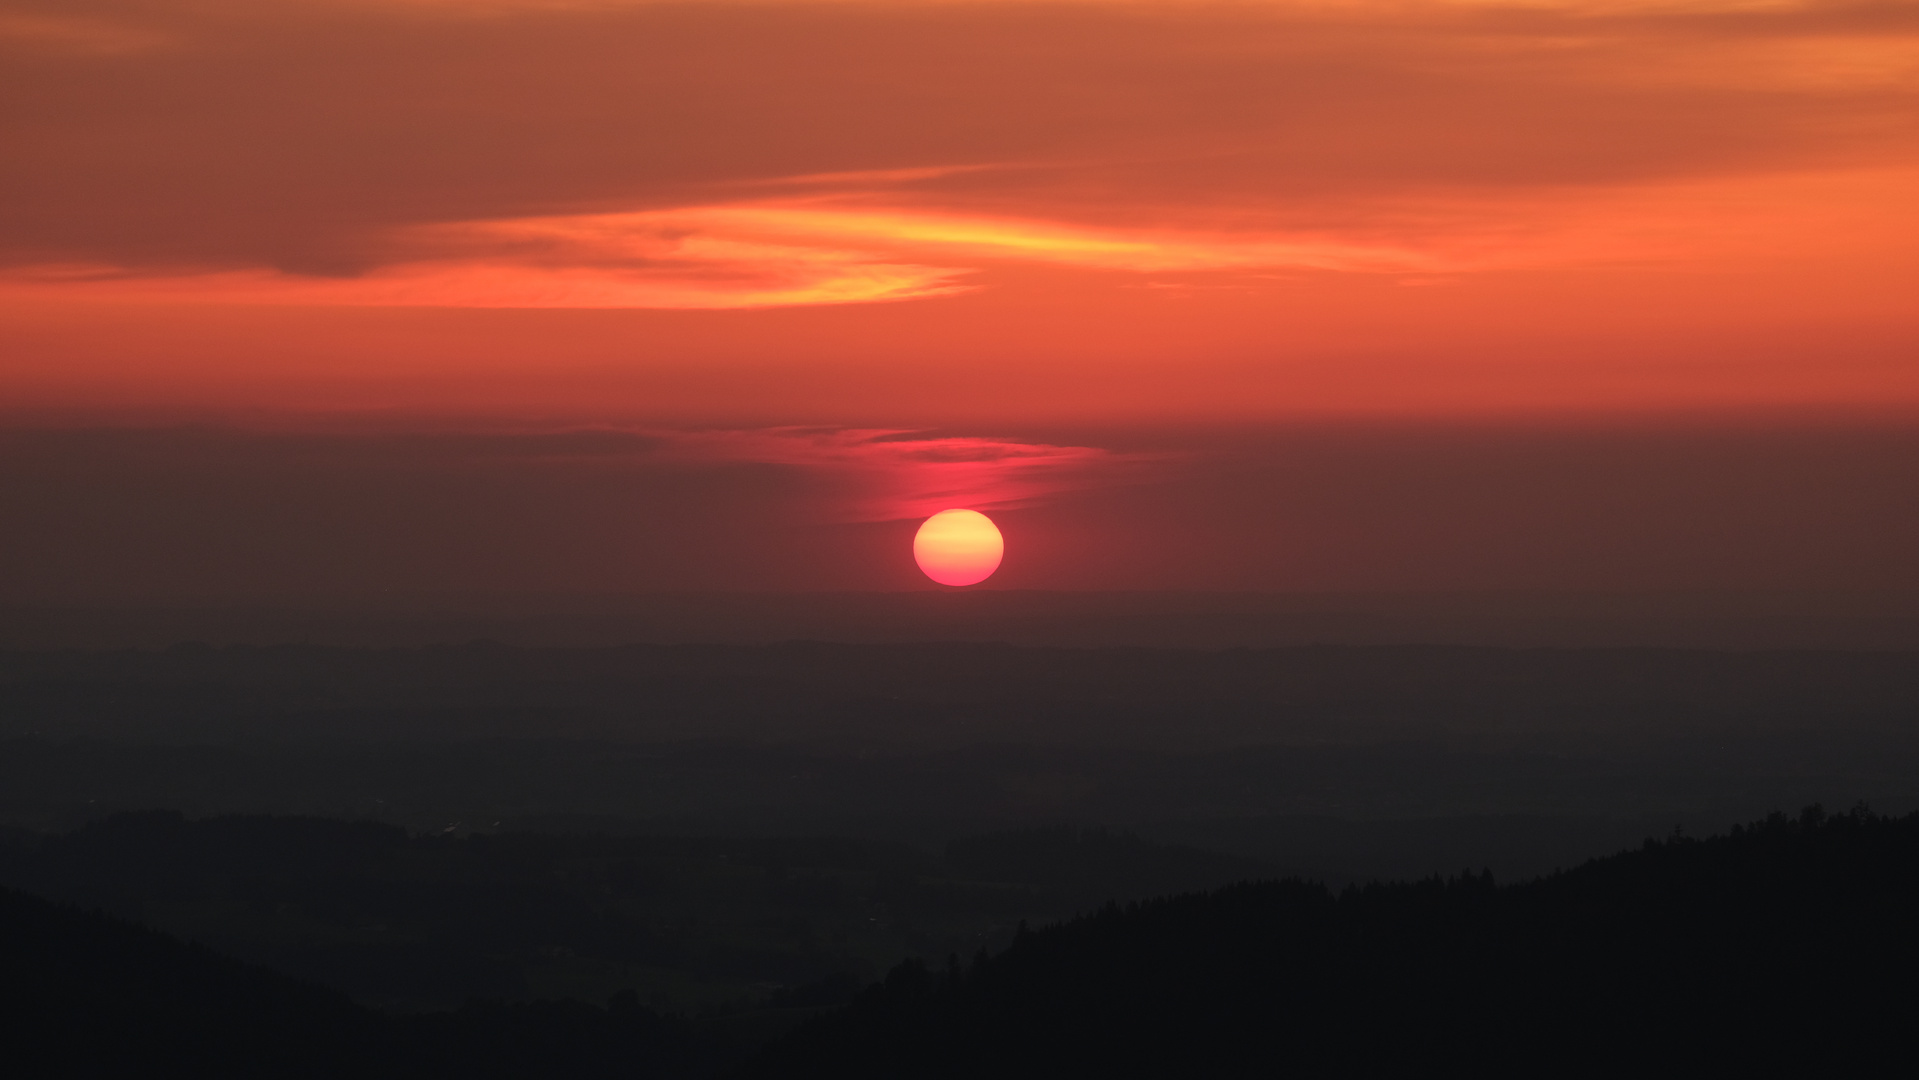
552 263
794 153
873 474
846 250
847 474
741 255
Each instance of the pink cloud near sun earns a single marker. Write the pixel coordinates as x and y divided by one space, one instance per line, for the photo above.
885 475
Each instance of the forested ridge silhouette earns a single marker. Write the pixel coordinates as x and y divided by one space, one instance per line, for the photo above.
88 995
690 924
1785 945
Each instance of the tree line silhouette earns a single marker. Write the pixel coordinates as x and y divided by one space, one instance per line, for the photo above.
423 922
87 995
1786 945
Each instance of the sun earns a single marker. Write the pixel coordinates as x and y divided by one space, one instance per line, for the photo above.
958 547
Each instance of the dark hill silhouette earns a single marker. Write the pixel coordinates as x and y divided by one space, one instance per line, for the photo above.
1784 946
1078 869
87 995
1347 763
423 923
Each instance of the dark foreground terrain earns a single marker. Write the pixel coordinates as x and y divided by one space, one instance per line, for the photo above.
87 995
704 925
678 854
1786 945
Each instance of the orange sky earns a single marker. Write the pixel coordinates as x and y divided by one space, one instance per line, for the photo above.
977 216
1132 209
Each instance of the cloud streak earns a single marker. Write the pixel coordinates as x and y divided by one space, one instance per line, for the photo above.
245 149
875 474
850 248
1123 208
744 255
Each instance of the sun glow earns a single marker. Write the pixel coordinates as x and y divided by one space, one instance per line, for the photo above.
958 547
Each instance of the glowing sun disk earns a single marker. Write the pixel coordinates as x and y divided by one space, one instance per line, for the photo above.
958 547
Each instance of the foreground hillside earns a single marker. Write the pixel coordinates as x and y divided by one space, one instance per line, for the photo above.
1787 944
88 995
687 924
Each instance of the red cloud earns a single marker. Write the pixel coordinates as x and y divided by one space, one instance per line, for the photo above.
889 475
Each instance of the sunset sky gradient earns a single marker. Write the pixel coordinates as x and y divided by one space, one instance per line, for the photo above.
834 264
